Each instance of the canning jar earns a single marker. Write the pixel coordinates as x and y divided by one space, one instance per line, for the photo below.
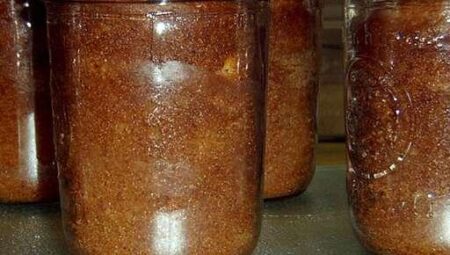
27 168
398 125
158 115
291 97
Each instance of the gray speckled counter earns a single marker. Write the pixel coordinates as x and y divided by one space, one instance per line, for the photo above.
316 222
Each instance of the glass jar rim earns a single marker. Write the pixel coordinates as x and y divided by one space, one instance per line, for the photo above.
393 3
161 2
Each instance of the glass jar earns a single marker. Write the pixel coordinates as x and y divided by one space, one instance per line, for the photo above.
398 125
291 97
158 114
27 168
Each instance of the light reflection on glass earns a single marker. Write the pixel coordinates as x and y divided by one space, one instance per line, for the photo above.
445 233
27 146
161 27
166 74
169 233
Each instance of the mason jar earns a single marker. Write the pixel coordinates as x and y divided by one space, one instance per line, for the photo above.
291 99
398 103
27 168
158 117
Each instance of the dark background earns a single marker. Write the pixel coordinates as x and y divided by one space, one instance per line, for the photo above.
331 99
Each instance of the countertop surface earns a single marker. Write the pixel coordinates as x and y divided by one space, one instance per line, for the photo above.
316 222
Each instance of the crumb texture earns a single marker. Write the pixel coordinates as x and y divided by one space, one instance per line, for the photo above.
158 113
398 127
291 97
27 168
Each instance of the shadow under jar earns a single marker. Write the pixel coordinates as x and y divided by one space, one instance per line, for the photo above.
291 97
158 111
27 168
398 125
